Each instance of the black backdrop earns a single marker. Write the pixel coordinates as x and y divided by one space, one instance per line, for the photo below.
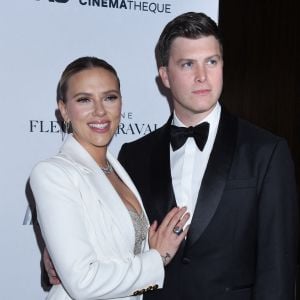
261 71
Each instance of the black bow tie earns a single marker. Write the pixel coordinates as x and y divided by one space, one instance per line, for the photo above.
180 134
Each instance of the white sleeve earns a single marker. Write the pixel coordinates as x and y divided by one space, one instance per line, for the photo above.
83 272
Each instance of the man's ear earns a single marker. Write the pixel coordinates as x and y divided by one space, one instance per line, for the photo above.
63 110
163 73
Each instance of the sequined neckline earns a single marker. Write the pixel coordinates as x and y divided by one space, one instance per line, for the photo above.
140 225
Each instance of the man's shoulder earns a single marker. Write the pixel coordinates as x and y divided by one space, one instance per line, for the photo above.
253 132
148 139
139 151
247 129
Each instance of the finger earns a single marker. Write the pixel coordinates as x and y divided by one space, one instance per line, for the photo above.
176 218
152 229
183 234
169 217
183 220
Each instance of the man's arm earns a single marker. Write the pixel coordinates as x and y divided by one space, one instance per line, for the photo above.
277 229
53 278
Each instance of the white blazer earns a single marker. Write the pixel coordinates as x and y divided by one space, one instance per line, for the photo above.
88 230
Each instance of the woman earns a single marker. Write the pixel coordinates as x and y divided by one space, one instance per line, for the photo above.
90 213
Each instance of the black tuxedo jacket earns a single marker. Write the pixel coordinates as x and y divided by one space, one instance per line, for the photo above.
241 243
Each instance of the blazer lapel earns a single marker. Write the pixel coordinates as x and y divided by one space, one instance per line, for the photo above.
214 178
162 194
125 178
105 194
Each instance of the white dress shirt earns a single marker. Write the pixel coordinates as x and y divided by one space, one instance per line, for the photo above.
188 163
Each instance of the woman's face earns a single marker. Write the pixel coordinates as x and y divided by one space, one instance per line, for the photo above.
93 106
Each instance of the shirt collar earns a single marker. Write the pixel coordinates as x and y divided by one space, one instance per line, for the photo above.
211 118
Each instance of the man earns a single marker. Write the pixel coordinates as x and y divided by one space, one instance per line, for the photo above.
238 185
239 188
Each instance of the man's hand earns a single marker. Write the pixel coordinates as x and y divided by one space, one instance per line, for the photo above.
53 278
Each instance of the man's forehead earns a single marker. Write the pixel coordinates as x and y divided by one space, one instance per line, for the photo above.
207 44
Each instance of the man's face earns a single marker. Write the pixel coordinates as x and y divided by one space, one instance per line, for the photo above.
195 77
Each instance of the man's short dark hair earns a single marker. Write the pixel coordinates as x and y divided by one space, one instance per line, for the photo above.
189 25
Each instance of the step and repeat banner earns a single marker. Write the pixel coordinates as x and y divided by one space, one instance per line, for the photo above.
38 38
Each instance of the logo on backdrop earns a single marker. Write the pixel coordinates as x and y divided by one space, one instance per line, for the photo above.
127 126
145 6
59 1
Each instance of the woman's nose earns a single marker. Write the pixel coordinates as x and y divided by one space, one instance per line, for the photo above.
99 109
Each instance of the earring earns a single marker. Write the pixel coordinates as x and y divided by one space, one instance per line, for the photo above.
67 126
65 129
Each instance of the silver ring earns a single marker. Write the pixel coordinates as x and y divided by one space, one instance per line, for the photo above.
177 230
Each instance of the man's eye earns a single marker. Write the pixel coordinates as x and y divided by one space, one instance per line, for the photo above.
187 64
212 62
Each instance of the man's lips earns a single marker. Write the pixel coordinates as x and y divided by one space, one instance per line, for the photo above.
201 92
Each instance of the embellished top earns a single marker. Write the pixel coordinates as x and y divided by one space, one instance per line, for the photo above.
140 225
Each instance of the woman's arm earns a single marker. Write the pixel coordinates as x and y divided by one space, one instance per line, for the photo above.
84 273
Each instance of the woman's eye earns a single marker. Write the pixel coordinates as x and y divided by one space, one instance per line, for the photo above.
111 98
83 100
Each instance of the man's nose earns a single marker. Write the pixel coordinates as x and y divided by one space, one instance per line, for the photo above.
200 74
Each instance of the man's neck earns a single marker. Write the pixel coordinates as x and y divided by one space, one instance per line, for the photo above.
193 119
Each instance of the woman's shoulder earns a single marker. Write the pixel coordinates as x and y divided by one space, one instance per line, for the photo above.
58 166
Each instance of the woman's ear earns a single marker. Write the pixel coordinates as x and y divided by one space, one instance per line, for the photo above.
63 110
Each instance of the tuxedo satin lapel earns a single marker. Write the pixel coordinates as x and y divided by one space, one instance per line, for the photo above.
162 194
214 178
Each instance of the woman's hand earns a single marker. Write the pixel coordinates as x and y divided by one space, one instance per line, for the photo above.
167 237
